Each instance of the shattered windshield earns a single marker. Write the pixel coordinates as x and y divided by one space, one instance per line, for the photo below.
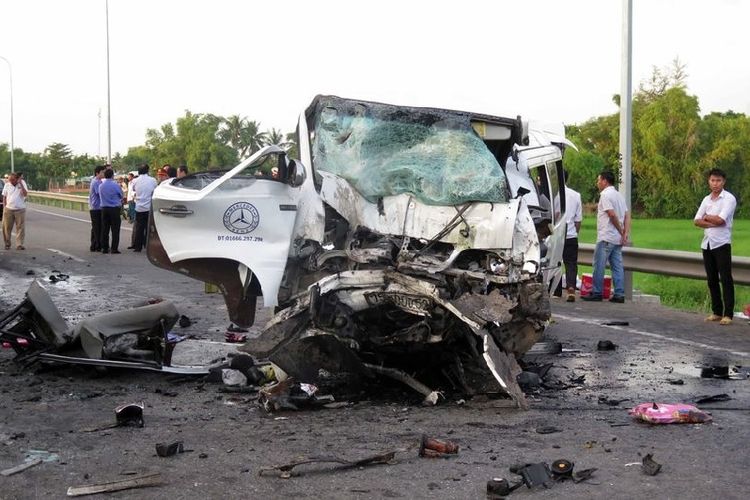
385 150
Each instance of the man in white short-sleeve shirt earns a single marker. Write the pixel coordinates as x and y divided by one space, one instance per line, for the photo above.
612 230
144 190
716 215
573 218
14 210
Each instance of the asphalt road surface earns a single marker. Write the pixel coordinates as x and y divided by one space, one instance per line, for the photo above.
44 410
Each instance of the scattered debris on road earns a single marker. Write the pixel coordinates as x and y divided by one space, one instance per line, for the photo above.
716 398
498 488
436 448
21 467
534 474
285 470
54 278
170 449
143 481
730 372
130 414
538 474
649 466
291 395
235 338
604 400
669 413
606 345
548 429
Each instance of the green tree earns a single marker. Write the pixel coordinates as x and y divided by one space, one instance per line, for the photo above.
242 135
724 142
275 137
201 149
30 164
57 162
136 156
583 167
665 163
83 165
192 140
291 140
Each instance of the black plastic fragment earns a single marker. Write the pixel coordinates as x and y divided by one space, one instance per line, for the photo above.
606 345
583 475
500 488
169 449
129 415
716 398
650 466
548 429
535 475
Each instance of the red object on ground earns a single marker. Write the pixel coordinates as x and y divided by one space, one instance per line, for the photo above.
587 284
21 342
235 338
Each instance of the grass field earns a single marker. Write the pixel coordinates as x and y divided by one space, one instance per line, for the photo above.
676 234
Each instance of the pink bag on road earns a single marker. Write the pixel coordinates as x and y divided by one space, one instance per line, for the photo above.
669 413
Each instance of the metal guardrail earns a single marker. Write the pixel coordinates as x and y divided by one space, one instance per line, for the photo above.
668 262
644 260
61 200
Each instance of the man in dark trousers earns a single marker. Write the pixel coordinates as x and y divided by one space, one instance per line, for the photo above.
111 197
716 216
95 209
144 190
573 218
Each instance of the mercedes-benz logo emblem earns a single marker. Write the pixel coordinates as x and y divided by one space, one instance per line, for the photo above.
241 218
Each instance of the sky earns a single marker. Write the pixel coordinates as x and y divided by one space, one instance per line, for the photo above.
547 60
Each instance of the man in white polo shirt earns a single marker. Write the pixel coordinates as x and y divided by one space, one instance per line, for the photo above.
612 230
14 210
144 190
573 218
716 215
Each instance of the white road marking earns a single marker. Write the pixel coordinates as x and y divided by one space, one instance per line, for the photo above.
60 215
691 343
87 221
54 250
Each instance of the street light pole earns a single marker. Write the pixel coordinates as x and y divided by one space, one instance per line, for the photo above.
626 119
10 79
626 97
109 110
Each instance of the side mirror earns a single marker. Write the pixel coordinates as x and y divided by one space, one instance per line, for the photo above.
297 173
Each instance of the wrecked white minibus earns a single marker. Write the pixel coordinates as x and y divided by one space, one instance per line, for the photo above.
415 243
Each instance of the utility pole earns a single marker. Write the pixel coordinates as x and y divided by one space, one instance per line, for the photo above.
626 118
109 109
99 134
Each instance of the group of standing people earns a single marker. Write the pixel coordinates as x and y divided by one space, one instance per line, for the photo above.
715 216
106 200
105 204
